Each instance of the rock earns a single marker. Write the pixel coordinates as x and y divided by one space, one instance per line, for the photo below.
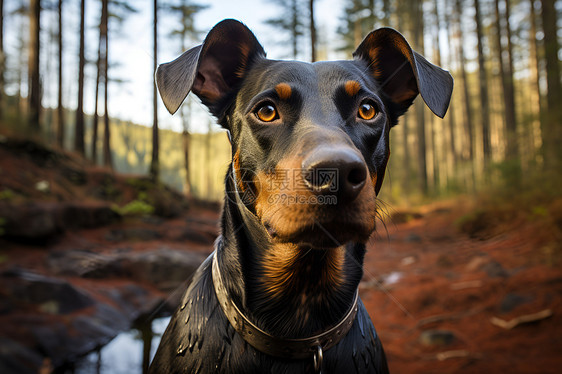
512 300
78 215
83 264
494 270
413 238
436 338
53 296
165 268
135 301
132 233
37 221
76 176
30 222
197 236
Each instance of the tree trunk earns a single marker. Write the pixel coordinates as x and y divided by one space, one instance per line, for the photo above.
34 93
107 159
511 126
99 65
79 126
483 80
552 133
60 109
506 74
186 140
468 122
451 112
2 59
295 26
435 122
19 70
406 164
208 146
312 32
155 164
534 63
419 106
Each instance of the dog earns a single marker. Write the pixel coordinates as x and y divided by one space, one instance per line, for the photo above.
310 144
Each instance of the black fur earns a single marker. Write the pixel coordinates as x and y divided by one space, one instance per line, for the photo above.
231 75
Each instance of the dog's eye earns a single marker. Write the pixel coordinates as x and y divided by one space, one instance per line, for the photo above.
366 111
267 113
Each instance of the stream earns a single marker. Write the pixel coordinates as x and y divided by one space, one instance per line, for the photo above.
124 354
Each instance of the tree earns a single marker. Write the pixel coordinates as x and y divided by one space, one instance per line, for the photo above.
535 66
107 161
102 66
468 121
102 51
186 33
417 32
552 132
2 58
290 22
506 75
453 153
60 109
79 126
99 68
312 31
435 123
34 93
359 20
154 164
483 83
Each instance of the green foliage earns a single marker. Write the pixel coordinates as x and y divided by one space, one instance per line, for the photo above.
134 208
7 194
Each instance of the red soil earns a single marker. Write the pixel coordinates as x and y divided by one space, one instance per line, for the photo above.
450 282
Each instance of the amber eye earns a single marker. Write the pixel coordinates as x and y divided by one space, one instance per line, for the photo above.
267 113
366 111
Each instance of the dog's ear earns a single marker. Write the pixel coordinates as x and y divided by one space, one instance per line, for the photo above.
212 70
403 73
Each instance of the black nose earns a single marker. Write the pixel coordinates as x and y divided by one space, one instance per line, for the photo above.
341 172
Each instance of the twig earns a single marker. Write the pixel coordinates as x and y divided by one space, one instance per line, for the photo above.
527 318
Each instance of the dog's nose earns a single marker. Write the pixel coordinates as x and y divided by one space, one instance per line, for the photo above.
341 172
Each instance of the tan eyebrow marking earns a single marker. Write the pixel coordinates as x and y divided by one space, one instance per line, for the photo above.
352 87
283 90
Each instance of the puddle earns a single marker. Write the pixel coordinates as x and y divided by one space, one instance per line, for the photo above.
124 354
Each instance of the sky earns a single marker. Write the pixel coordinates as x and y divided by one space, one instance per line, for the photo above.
253 13
131 51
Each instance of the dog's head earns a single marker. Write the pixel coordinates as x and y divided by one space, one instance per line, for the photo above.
310 141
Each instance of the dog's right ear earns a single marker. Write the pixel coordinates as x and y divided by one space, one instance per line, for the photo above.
213 70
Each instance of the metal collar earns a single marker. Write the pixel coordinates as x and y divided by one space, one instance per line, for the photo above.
274 346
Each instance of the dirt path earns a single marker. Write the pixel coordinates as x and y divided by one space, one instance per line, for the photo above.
432 294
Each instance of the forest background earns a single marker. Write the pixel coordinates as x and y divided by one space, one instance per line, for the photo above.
77 74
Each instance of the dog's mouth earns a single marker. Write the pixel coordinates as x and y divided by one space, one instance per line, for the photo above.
320 231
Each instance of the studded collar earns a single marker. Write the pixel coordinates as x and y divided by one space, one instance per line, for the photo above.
280 347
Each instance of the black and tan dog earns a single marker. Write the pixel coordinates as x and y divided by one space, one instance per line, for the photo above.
309 150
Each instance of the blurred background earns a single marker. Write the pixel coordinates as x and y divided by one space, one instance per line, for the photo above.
101 189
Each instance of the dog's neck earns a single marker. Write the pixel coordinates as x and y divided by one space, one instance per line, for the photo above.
286 290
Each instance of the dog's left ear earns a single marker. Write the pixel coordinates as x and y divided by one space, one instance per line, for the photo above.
403 73
212 70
